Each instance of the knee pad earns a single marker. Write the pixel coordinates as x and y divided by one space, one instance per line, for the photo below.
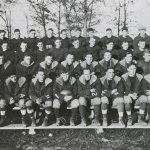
56 104
95 101
142 99
75 103
82 101
2 104
105 100
48 104
127 99
29 104
21 103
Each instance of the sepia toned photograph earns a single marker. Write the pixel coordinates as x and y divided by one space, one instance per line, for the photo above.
75 69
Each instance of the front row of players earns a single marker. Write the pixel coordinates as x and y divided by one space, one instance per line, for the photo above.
79 93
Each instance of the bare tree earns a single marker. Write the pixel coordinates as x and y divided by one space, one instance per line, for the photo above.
5 15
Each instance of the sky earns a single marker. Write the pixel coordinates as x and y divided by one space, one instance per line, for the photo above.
140 13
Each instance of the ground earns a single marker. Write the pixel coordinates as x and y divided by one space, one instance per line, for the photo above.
77 139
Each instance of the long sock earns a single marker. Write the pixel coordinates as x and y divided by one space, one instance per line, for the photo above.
73 113
148 109
56 112
96 111
143 106
82 110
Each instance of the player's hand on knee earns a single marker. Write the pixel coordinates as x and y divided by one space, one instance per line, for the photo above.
11 100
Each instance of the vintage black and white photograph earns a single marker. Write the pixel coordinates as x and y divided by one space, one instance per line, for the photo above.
75 68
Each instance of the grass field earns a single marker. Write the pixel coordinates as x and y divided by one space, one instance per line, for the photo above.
76 139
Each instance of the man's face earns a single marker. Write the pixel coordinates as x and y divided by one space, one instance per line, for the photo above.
110 46
27 60
64 34
109 34
13 78
70 59
23 47
4 46
132 70
40 76
49 33
2 35
76 43
92 41
58 43
142 32
125 45
129 58
78 33
107 56
91 34
110 74
87 75
124 33
65 76
40 45
32 34
48 59
17 35
141 44
146 57
89 58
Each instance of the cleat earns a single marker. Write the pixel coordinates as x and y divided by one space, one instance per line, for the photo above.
129 123
83 123
72 122
96 122
33 124
45 122
58 122
121 123
24 122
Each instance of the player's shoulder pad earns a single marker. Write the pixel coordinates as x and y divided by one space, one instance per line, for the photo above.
94 63
93 79
48 81
139 76
147 78
54 64
21 81
102 79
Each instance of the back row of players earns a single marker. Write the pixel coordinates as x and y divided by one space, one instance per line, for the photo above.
45 73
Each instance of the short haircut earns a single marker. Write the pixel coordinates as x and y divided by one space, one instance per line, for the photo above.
63 30
109 68
69 53
57 39
129 52
2 31
141 40
124 28
39 41
16 30
132 65
85 69
88 53
31 30
90 29
108 29
48 54
108 42
23 41
78 29
107 52
51 29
